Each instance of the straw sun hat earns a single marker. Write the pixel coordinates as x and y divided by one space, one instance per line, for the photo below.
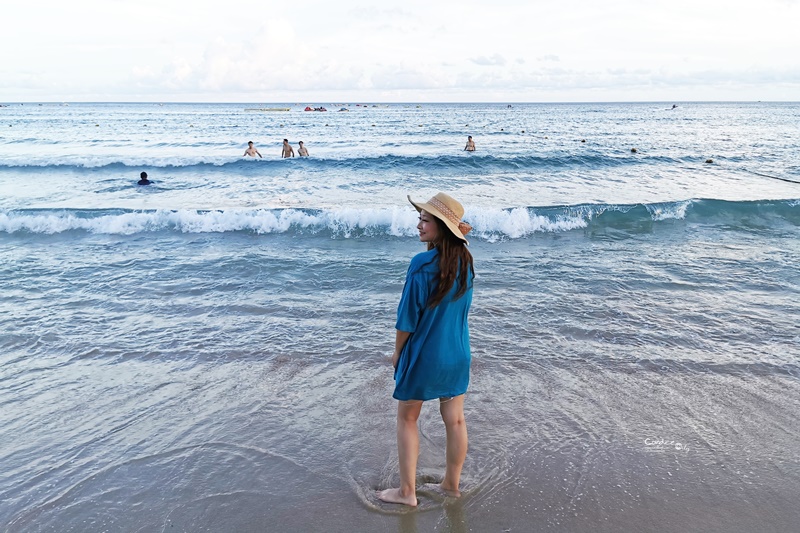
448 210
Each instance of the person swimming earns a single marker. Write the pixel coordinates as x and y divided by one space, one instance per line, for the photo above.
470 147
251 150
143 179
287 150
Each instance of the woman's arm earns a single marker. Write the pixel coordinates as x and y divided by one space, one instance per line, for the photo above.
400 339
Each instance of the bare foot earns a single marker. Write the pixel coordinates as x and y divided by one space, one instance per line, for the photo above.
394 496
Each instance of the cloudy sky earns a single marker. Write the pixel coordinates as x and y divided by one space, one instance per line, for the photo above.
392 51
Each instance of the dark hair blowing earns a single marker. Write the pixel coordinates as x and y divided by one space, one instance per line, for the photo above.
453 253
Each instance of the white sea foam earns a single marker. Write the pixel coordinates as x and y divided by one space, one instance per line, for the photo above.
669 211
491 224
520 222
341 222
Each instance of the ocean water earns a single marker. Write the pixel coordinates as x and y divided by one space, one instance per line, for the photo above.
210 353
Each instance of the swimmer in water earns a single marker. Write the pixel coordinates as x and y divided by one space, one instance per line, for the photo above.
143 180
288 151
251 150
470 147
302 151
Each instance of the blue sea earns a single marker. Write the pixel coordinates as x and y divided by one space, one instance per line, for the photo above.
211 352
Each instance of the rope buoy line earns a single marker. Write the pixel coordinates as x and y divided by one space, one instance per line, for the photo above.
773 177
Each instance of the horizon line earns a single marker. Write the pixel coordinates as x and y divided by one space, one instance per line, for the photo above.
363 102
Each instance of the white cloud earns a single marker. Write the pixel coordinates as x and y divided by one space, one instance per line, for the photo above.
620 49
495 61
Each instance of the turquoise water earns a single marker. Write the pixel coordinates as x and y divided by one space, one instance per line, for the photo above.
211 351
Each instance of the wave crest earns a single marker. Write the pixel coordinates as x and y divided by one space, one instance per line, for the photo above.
461 162
489 224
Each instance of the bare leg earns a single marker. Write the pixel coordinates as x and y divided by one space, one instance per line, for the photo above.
407 451
452 410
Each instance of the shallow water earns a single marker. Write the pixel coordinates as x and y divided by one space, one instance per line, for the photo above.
212 353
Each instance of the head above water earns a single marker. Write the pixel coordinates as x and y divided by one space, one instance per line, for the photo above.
250 143
143 175
286 140
301 142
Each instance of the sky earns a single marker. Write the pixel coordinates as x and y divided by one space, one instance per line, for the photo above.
392 51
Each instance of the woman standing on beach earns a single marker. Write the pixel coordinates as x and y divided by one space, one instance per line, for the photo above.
432 356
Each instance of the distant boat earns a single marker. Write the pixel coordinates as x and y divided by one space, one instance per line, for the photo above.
267 109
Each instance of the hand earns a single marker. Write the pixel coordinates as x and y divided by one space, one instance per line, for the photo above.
395 359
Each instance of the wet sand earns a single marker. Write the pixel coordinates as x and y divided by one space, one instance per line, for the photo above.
291 445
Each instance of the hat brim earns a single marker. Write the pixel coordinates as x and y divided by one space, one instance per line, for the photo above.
438 214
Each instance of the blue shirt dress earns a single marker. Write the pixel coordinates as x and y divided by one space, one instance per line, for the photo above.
435 361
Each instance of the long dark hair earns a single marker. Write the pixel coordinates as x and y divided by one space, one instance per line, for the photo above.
453 253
